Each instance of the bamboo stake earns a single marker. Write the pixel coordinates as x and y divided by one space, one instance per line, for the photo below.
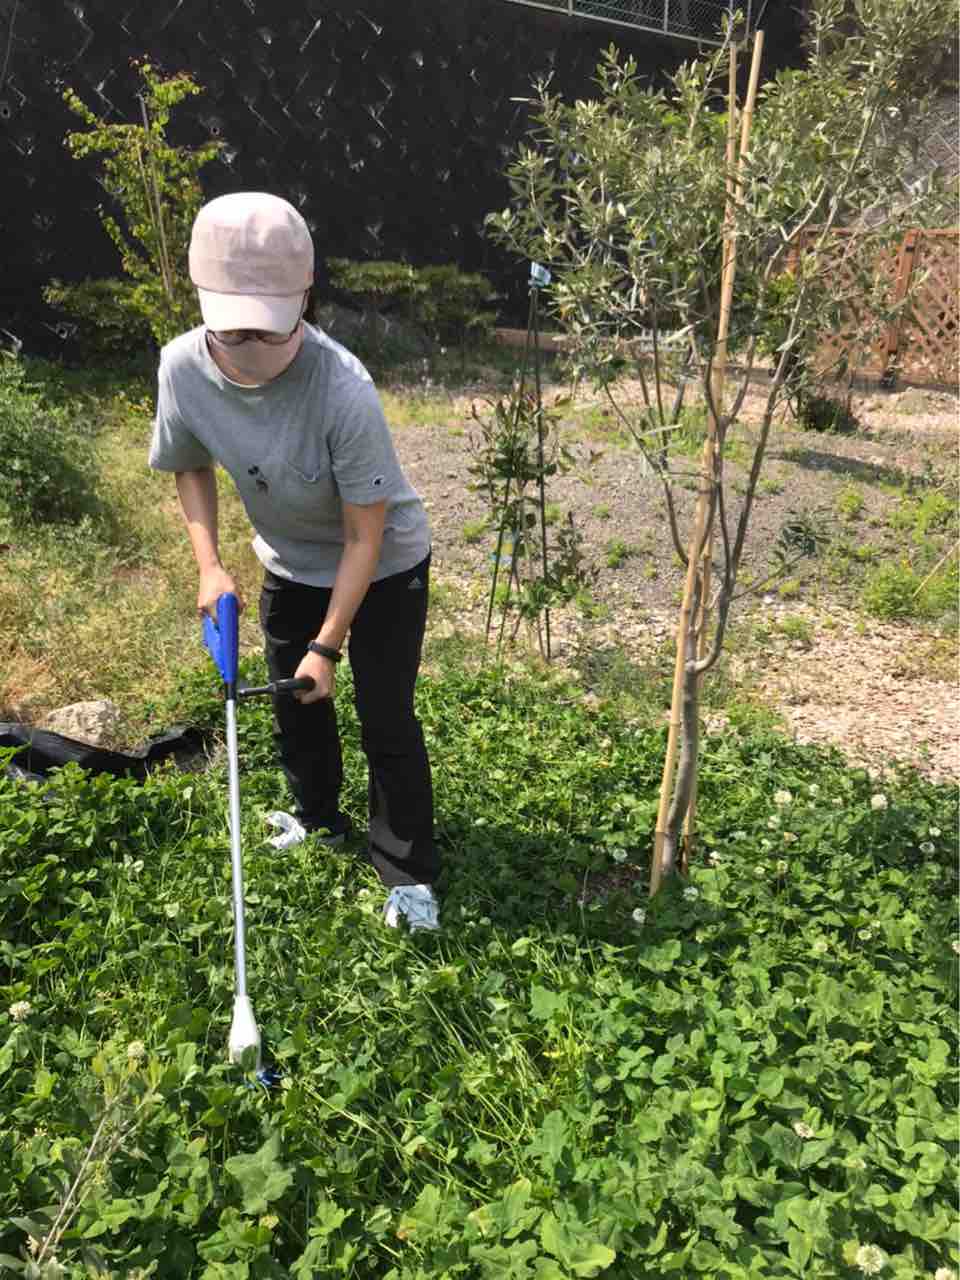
718 374
699 552
156 207
673 732
735 170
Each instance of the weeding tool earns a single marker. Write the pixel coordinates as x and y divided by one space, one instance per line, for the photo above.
221 637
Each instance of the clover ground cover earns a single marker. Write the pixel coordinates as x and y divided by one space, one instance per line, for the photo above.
752 1077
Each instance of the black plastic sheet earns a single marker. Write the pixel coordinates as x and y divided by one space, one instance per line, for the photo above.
40 751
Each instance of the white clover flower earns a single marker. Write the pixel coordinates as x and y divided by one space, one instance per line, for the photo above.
136 1050
927 847
935 831
877 801
739 835
870 1260
944 1273
802 1130
639 916
773 821
619 855
789 837
813 789
691 892
782 867
715 859
20 1011
820 946
781 798
956 946
865 934
760 870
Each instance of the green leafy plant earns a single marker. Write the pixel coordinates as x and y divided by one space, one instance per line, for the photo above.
156 188
850 503
374 286
616 552
825 413
110 322
47 465
454 306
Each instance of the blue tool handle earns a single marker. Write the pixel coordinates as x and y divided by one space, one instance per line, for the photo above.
222 637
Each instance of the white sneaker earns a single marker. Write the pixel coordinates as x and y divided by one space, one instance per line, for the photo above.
294 832
416 903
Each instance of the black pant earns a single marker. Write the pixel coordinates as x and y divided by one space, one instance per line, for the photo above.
385 644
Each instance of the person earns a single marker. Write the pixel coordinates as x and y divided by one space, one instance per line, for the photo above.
344 540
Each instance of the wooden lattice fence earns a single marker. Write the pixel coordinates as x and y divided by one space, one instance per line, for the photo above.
918 278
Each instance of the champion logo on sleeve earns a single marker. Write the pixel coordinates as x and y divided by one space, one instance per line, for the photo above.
377 481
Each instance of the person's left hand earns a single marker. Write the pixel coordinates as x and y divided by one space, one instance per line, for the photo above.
323 674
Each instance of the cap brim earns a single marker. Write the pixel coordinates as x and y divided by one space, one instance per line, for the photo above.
250 311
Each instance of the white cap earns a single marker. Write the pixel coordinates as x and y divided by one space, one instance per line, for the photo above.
251 258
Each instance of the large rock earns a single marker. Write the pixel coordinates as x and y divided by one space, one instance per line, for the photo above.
96 722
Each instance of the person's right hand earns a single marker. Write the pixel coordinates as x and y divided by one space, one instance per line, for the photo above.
214 583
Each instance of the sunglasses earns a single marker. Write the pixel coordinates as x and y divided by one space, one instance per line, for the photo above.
236 337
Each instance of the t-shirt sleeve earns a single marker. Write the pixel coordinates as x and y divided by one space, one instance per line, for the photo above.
362 454
174 447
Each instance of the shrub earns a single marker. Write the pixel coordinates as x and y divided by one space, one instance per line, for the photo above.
824 413
445 302
109 322
46 462
157 189
450 303
897 591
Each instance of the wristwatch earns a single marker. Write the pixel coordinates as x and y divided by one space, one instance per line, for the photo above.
324 650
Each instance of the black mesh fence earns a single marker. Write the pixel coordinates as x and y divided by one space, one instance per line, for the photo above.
388 122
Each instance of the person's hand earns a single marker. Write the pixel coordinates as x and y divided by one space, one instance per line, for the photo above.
323 674
214 583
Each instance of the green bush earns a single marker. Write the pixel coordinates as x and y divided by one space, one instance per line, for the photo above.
110 321
450 303
46 463
824 413
155 187
899 592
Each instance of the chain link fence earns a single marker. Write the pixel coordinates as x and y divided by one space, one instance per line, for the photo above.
698 20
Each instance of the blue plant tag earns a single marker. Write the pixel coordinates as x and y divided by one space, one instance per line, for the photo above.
539 276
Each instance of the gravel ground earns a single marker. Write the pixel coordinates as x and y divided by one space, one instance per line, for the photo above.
846 683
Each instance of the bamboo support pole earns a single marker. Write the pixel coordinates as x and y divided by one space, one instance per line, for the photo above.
715 408
156 205
701 548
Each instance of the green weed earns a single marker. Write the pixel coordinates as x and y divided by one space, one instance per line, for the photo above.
616 552
897 591
850 503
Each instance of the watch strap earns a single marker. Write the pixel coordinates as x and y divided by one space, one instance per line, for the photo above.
324 650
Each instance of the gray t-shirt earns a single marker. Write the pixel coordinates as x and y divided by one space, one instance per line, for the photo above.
296 448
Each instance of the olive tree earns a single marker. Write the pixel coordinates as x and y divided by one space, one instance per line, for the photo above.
644 203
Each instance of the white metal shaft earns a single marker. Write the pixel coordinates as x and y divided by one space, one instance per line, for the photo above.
236 858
